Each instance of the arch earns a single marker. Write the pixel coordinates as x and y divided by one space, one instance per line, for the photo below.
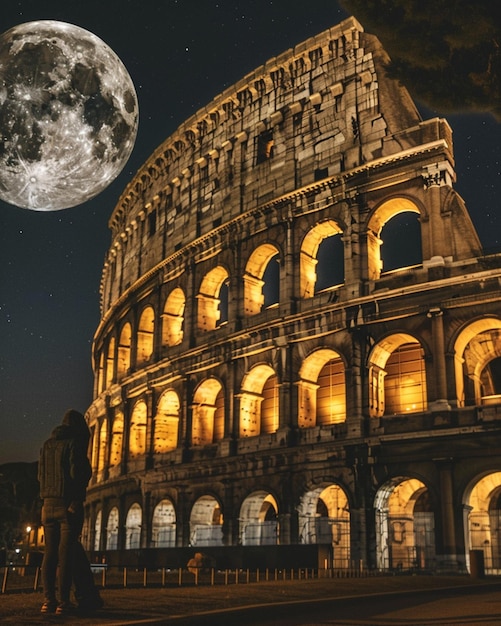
324 518
405 525
145 335
163 525
133 527
309 255
212 299
173 318
259 520
383 214
137 431
103 446
259 410
208 413
476 349
483 520
166 422
123 353
110 362
100 373
206 522
397 376
401 244
112 529
97 530
261 288
117 431
322 389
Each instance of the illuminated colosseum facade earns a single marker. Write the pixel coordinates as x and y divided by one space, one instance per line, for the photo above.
300 334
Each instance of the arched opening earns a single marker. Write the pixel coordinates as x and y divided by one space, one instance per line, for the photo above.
206 523
163 526
322 389
401 242
112 530
117 439
137 433
259 520
123 353
405 526
97 530
397 376
133 527
330 267
100 374
110 362
483 522
332 259
145 335
259 409
103 446
477 358
261 279
166 422
393 241
173 318
324 518
213 299
208 413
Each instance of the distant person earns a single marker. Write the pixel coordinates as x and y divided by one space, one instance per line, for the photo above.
64 472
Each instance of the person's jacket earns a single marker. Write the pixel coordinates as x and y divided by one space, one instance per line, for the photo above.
64 469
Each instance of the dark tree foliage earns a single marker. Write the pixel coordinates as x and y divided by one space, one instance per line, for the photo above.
446 52
19 500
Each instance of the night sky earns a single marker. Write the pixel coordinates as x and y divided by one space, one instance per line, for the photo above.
180 54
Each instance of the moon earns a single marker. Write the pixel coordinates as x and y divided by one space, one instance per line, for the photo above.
68 115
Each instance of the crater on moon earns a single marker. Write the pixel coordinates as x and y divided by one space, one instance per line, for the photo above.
68 115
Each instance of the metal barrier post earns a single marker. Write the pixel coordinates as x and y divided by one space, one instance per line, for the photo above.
5 575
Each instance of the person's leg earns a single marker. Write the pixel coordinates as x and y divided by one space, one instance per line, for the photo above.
50 558
69 538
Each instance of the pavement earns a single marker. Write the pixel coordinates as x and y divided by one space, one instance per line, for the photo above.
377 601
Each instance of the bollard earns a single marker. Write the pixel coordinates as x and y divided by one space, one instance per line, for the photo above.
5 575
125 577
225 576
163 576
212 576
103 578
236 576
145 577
37 574
257 575
180 576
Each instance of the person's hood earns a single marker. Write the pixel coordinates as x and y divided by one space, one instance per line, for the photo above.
62 432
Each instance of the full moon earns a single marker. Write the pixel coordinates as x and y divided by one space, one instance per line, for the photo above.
68 115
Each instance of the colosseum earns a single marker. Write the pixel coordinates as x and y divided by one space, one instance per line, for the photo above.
298 356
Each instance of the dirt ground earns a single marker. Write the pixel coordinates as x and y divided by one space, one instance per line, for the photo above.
127 605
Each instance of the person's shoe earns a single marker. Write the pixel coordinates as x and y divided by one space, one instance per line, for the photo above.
65 608
49 606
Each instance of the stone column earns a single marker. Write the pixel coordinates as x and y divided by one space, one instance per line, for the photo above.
439 402
448 558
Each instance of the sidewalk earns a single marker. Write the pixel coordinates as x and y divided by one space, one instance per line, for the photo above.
179 606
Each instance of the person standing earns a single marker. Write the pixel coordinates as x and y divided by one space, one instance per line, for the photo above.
63 472
86 593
